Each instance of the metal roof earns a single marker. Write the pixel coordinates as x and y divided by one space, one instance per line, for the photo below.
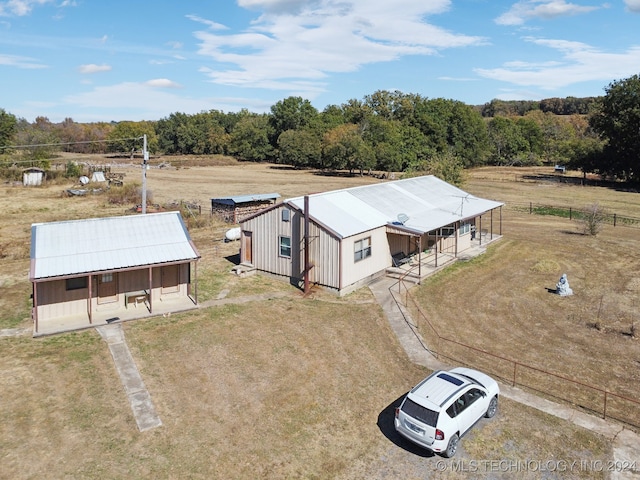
235 199
427 201
101 244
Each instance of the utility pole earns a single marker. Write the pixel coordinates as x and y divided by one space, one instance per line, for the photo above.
145 159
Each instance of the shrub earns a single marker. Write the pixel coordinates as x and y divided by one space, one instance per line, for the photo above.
593 218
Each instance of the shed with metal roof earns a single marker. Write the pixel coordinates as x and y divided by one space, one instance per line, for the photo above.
235 208
85 272
343 239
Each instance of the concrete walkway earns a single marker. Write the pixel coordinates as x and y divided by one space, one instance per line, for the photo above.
626 444
139 398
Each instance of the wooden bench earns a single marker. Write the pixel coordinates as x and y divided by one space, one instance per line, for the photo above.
138 296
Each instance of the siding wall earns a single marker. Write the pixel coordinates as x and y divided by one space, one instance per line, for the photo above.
54 301
380 259
266 231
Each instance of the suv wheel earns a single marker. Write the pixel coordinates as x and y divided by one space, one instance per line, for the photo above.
452 447
493 408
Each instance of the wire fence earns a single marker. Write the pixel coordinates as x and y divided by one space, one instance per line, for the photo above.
594 399
579 214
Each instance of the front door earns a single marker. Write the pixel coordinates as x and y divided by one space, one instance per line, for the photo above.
107 288
171 279
246 247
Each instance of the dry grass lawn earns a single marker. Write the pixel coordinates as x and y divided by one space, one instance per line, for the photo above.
305 387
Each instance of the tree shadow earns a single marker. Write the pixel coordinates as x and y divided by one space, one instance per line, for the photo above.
386 425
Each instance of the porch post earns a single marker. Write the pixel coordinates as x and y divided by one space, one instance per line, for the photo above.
90 297
195 286
35 305
150 289
419 259
435 246
457 227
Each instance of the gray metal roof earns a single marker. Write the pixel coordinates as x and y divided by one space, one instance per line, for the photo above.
100 244
430 203
235 199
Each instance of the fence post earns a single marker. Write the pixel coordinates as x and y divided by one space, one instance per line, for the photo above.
614 219
530 208
570 214
514 373
604 412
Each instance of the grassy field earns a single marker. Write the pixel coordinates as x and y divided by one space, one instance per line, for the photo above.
305 387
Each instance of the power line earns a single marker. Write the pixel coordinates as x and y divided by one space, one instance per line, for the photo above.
84 142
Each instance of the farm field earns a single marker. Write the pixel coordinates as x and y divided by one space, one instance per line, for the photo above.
305 387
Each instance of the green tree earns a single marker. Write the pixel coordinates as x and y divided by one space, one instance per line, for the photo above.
127 137
299 148
8 128
250 138
617 119
292 113
446 166
509 145
341 146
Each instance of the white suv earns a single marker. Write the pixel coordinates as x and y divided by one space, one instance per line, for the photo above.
444 406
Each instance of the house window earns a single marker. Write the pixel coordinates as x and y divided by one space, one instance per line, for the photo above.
286 214
107 277
447 231
465 228
285 247
362 249
76 283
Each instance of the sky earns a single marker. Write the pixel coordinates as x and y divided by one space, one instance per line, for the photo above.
98 60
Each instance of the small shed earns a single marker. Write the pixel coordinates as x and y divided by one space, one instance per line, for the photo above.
92 271
32 176
238 207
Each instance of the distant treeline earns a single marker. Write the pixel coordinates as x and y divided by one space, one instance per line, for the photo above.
385 131
556 106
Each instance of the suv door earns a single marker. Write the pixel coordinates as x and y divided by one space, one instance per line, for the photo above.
470 408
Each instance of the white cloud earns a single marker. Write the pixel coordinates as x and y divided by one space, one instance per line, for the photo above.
633 5
93 68
580 63
212 25
283 51
524 10
20 8
140 101
20 62
162 83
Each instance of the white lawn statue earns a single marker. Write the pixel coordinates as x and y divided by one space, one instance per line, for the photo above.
562 287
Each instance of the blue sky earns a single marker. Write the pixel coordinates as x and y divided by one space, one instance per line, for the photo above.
98 60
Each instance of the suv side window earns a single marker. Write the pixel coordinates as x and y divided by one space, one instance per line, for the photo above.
472 395
458 406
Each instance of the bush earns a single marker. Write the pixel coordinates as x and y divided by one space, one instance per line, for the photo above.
592 219
130 193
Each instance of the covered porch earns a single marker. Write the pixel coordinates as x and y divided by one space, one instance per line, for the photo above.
430 251
117 312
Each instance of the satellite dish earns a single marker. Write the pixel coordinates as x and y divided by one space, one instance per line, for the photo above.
402 218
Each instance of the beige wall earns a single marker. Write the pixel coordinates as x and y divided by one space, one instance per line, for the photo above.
55 301
380 258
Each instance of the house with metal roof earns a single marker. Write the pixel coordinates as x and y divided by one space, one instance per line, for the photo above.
235 208
344 239
94 271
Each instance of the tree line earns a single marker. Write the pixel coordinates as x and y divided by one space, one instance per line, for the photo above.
385 131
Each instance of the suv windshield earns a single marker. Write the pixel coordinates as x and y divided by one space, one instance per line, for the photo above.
419 412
